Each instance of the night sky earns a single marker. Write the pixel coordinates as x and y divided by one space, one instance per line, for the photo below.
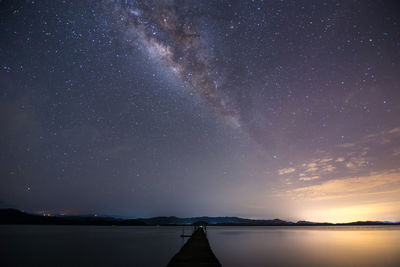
259 109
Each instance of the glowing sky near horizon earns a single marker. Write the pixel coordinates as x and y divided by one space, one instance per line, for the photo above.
259 109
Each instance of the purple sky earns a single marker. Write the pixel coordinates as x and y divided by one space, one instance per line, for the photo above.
259 109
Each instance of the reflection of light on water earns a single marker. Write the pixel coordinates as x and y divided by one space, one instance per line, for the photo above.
307 246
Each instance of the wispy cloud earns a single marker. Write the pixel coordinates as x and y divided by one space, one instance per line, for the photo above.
310 167
286 171
352 181
387 181
374 152
309 178
383 137
357 162
346 145
314 169
325 160
328 168
396 152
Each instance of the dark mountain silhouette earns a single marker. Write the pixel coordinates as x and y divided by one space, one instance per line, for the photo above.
212 221
13 216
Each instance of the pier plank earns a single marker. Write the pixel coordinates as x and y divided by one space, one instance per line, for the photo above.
195 253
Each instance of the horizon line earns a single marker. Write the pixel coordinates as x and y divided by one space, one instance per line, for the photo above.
98 215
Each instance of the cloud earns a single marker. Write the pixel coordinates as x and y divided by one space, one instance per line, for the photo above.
317 166
374 196
328 168
383 137
357 162
346 145
379 138
395 131
286 171
354 156
311 169
288 182
352 181
325 160
396 152
310 178
383 182
350 165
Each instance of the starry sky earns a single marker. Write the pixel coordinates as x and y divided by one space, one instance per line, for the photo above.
260 109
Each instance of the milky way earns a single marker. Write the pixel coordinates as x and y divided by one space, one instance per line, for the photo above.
175 39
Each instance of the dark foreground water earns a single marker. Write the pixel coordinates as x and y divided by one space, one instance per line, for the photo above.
234 246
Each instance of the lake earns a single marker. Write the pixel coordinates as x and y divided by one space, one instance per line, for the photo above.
307 246
233 246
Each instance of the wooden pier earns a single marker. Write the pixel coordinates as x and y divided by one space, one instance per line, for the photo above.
196 252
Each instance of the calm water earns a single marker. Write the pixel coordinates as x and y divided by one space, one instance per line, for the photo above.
307 246
234 246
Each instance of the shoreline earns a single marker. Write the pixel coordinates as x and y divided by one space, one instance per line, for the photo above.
15 217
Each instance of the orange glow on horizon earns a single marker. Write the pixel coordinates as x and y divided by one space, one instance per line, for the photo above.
373 197
368 212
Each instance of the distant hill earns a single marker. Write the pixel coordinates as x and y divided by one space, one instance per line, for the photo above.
212 221
13 216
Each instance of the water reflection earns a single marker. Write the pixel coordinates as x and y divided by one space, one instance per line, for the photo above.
306 246
234 246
